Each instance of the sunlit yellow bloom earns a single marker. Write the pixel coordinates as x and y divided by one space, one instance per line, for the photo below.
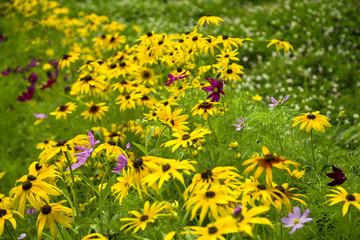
115 134
68 58
94 236
266 163
110 148
48 143
280 44
227 55
122 186
173 119
96 111
341 195
257 98
50 215
204 108
311 121
63 110
209 19
6 214
150 213
185 139
287 196
295 173
127 101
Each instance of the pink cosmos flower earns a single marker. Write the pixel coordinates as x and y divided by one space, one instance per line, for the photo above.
295 220
241 125
276 102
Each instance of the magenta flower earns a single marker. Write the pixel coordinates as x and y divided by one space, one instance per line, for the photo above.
26 96
86 152
216 88
338 176
237 211
6 72
295 220
120 164
128 146
241 124
31 211
173 79
48 84
276 102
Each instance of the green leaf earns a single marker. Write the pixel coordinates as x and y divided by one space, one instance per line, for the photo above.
141 147
107 189
150 134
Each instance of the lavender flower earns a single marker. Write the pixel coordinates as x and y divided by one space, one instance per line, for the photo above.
295 220
276 102
338 176
172 78
31 211
241 125
40 115
86 152
120 163
237 211
22 236
216 88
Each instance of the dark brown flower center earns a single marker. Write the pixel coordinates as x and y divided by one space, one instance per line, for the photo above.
38 167
261 187
206 174
210 194
2 212
149 34
61 143
212 230
122 64
93 109
225 37
185 137
66 56
311 116
205 104
229 71
144 218
26 185
127 97
46 209
146 74
31 178
269 157
138 162
165 167
87 78
112 66
112 142
195 38
46 141
350 197
63 108
280 188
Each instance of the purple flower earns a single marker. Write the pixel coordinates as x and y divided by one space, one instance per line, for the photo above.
86 152
22 236
128 146
241 125
6 72
48 84
216 88
40 115
275 102
120 163
31 211
338 176
172 78
295 220
26 96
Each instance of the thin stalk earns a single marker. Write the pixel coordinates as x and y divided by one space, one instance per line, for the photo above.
72 186
101 200
60 230
9 232
178 189
158 140
312 148
214 139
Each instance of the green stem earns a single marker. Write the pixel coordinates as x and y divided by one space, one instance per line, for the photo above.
215 140
312 148
72 186
9 232
60 230
101 200
178 189
158 140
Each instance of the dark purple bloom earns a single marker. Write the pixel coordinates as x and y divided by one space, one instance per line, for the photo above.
338 176
48 84
275 102
32 78
18 69
216 88
26 96
34 62
295 220
86 152
6 72
120 163
1 38
173 79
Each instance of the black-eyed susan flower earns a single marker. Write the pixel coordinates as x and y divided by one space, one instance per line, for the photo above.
280 44
88 84
205 108
341 195
115 134
209 19
267 162
312 120
167 168
212 231
96 111
63 110
127 101
6 214
122 186
287 195
52 214
185 139
110 148
209 198
97 236
172 119
150 213
67 59
226 55
48 143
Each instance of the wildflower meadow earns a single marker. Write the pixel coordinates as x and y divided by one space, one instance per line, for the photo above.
179 119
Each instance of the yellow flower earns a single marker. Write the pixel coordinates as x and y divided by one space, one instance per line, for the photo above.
50 214
96 111
122 186
94 236
127 101
63 110
311 121
173 119
149 215
341 195
2 174
257 98
287 196
68 58
204 108
48 143
266 163
185 140
209 19
280 44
